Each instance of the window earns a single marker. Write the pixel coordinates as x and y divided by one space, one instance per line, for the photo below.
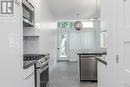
70 24
65 25
88 24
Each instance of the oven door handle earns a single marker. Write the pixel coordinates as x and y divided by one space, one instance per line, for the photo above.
43 64
37 67
44 69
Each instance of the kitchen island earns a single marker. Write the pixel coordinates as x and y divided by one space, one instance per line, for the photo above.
93 53
88 65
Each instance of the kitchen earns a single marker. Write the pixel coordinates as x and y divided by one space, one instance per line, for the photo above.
31 44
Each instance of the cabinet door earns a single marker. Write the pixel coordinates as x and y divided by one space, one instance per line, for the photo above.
102 75
29 77
29 81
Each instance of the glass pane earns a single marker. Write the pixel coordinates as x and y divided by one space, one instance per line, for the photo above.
65 25
63 45
88 24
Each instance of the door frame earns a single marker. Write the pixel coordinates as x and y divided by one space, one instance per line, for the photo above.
60 31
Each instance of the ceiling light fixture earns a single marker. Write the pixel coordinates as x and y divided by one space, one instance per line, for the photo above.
78 24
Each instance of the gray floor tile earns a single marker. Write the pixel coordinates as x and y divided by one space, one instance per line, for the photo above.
66 74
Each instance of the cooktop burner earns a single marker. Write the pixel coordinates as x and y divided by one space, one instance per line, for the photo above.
30 57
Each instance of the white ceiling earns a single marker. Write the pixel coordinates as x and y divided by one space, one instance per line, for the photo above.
67 9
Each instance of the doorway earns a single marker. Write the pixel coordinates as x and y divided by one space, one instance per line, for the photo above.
62 46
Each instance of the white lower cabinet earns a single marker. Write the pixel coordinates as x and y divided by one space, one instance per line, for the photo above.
29 79
102 75
126 78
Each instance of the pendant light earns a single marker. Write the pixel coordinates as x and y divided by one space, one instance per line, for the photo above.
78 24
97 13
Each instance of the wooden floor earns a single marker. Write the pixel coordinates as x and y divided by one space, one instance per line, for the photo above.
66 74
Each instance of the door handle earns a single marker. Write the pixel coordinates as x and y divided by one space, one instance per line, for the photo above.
117 59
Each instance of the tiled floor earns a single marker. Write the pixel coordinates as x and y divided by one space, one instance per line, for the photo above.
66 74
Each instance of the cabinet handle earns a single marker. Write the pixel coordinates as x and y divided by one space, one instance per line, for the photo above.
117 59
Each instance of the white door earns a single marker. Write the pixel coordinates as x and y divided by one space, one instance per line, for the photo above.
116 17
123 49
62 46
108 23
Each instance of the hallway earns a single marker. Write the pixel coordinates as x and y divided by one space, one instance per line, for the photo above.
66 74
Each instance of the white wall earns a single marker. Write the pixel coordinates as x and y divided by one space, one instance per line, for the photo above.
47 29
30 40
31 45
81 42
84 41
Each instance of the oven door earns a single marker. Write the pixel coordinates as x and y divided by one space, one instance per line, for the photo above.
42 76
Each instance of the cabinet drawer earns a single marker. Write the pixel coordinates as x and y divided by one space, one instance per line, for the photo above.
28 71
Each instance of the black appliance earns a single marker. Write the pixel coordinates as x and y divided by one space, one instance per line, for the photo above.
42 72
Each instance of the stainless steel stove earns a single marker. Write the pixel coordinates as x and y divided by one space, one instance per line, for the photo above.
42 71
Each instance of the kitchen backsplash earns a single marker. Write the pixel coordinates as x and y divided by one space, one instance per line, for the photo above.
30 31
31 45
